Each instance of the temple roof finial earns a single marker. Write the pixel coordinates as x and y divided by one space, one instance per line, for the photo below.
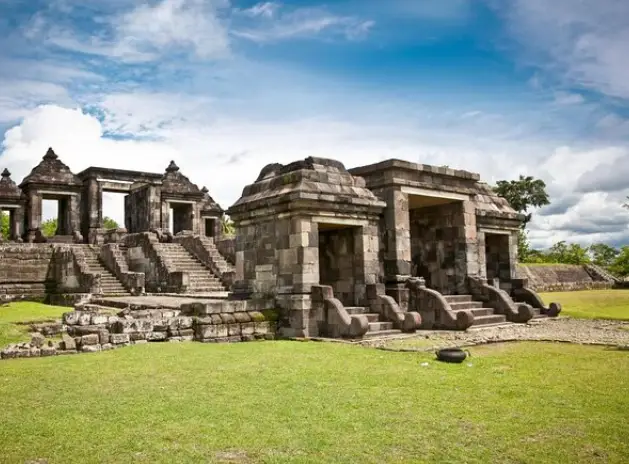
6 173
50 154
204 190
172 167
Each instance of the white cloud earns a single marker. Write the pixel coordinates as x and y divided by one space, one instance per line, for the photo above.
265 9
301 23
226 154
567 98
584 41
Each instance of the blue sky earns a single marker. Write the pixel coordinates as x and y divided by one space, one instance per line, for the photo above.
501 87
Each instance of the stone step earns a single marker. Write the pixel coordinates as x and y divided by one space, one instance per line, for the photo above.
466 305
493 319
378 326
356 310
382 333
458 298
372 317
479 312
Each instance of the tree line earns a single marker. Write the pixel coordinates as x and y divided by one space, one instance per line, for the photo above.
528 192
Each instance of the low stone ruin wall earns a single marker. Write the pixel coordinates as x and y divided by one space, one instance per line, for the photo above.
24 270
92 328
559 277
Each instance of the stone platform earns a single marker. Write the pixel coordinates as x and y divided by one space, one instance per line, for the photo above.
160 301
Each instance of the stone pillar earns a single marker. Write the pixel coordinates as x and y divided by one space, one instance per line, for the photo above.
16 223
367 266
472 251
92 209
482 254
33 215
397 245
165 221
513 254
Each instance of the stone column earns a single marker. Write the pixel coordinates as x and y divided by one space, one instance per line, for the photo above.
92 208
16 223
472 251
397 245
165 208
74 213
367 266
482 254
33 215
297 250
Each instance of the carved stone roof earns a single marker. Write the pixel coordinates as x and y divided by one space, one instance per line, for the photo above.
314 183
174 182
489 204
9 189
51 171
209 205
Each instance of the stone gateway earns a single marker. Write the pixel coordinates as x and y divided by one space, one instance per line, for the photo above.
330 252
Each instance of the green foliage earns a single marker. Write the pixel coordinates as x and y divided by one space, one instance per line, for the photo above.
524 193
227 226
4 225
524 247
49 226
603 254
109 223
620 266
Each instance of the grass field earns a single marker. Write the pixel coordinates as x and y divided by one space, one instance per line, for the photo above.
22 312
592 304
316 402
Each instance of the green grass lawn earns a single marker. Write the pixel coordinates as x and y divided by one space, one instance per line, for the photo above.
592 304
21 312
316 402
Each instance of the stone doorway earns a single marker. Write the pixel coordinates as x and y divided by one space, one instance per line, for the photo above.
340 261
210 227
58 207
180 217
438 248
497 257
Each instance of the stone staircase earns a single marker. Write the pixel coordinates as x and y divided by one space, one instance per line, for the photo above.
218 259
377 326
202 280
109 282
483 316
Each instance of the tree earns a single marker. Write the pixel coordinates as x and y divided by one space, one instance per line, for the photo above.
227 226
49 226
109 223
4 226
524 193
603 254
620 266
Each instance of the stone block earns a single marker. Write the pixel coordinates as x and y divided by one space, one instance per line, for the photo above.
90 348
97 319
137 336
71 318
107 347
119 339
156 336
262 328
228 318
211 331
91 339
248 329
242 317
233 330
38 340
103 337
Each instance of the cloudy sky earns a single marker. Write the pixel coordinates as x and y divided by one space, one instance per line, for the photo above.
224 87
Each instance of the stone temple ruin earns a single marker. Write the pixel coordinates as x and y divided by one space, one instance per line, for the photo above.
319 251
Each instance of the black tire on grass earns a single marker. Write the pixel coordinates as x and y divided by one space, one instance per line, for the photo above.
451 355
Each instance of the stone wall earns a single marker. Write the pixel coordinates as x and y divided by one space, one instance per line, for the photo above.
25 270
92 328
227 248
497 257
559 277
438 247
